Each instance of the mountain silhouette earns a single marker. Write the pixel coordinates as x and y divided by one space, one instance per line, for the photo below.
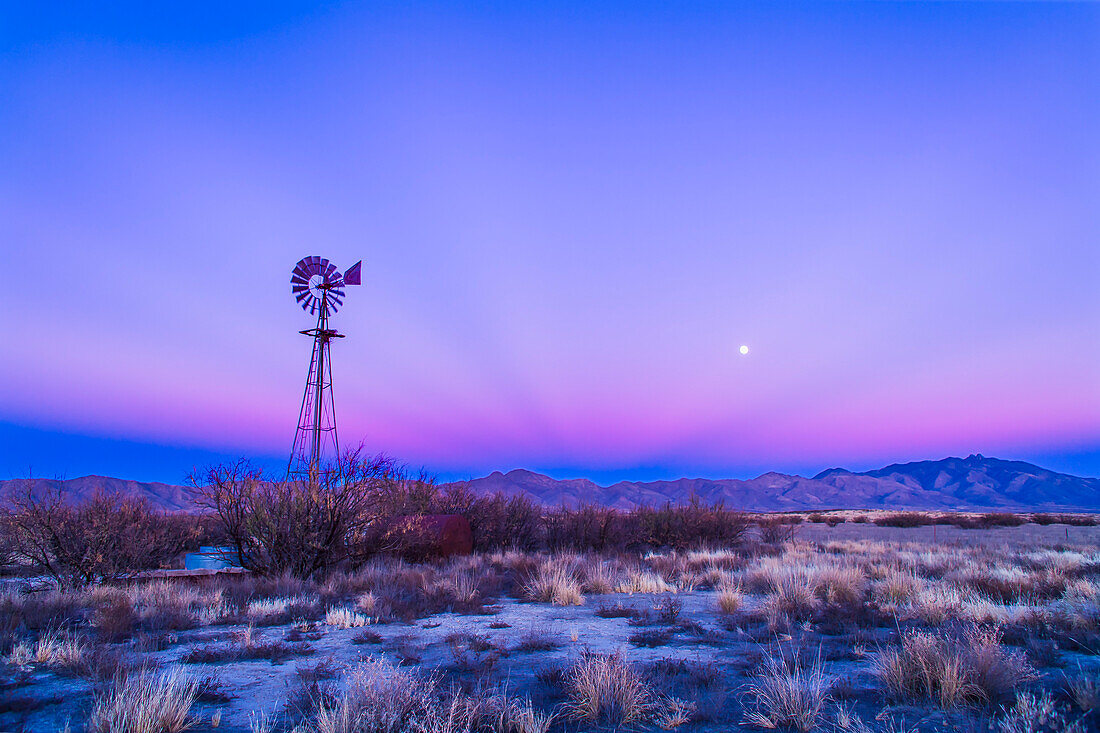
972 483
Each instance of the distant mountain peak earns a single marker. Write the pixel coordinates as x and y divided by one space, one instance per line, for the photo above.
976 482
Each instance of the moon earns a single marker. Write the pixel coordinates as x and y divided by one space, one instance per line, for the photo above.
744 349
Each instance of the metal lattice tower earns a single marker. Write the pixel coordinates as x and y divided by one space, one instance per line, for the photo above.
319 288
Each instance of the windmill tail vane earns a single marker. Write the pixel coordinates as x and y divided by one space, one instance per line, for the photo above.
318 286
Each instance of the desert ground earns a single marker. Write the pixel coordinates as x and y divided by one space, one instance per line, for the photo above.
851 627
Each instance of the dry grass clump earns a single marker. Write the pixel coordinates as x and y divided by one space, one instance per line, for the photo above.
58 649
791 601
164 606
951 670
730 599
345 618
787 693
554 582
840 585
645 581
601 576
376 697
145 702
898 588
606 689
1036 714
273 611
1084 690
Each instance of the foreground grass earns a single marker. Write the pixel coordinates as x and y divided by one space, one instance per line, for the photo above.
1000 634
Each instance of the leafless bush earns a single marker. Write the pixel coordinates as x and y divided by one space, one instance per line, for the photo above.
905 519
303 527
105 538
588 527
695 524
499 522
776 529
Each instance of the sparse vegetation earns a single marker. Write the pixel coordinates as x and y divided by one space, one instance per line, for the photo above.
787 693
145 702
975 620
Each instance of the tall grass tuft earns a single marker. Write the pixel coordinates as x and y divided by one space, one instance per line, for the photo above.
605 688
145 702
787 693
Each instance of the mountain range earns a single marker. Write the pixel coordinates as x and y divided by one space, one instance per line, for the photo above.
972 483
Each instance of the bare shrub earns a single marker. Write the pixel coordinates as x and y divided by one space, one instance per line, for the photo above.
776 529
695 524
604 688
114 618
584 528
537 640
302 527
904 519
499 522
105 538
145 702
1002 519
787 693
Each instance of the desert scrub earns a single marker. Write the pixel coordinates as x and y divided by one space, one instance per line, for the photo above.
605 688
145 702
376 697
1037 714
554 582
953 670
345 618
57 649
273 611
787 693
645 581
730 599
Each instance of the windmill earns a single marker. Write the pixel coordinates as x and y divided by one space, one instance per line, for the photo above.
319 288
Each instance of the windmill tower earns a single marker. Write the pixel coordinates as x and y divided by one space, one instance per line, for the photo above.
319 288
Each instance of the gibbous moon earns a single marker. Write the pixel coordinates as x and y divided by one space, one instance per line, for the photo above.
744 349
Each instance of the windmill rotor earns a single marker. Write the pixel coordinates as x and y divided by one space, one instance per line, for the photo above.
316 282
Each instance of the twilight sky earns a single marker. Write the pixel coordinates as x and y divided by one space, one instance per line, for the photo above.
570 219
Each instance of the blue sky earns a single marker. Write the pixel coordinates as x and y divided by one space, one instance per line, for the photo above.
571 217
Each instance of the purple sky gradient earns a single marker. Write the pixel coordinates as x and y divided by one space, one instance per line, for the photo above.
570 219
